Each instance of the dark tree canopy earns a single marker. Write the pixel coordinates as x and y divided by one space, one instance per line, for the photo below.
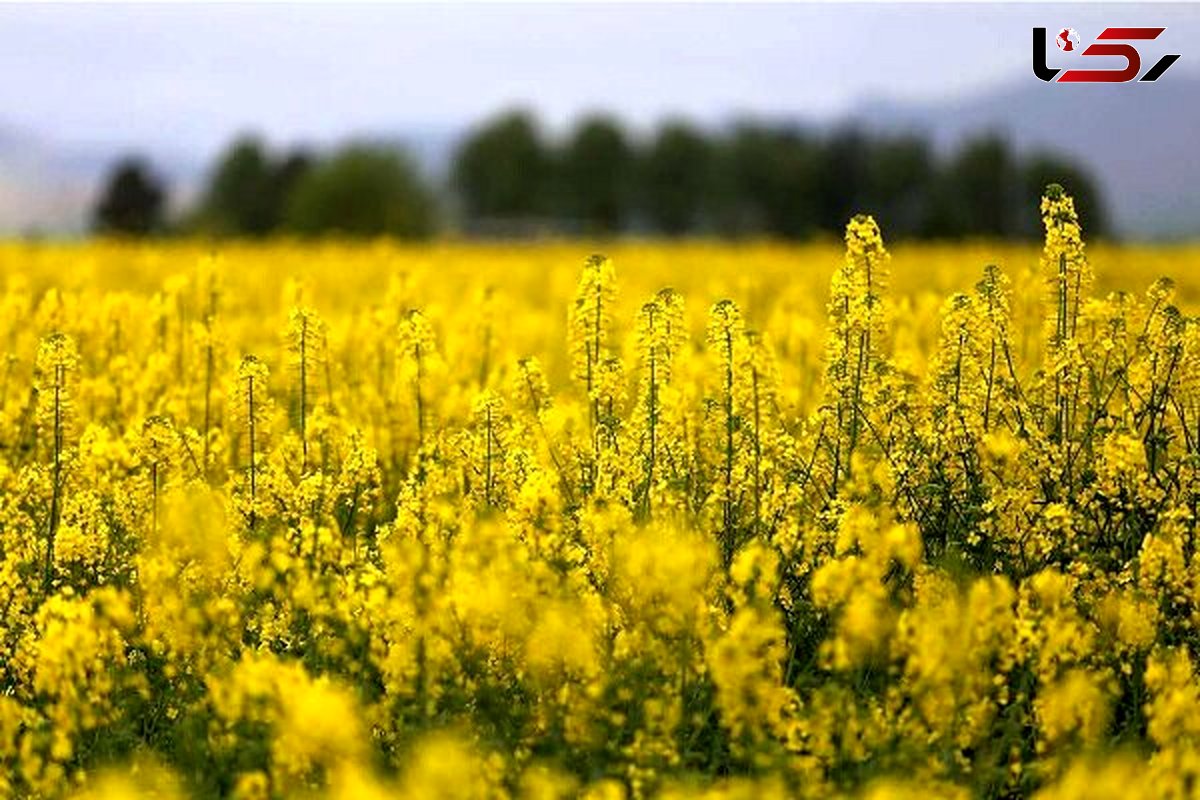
1044 168
766 178
132 202
596 174
985 185
754 178
749 178
841 178
676 178
363 190
249 189
900 172
503 170
237 200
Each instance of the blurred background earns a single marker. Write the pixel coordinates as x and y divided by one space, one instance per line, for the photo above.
505 120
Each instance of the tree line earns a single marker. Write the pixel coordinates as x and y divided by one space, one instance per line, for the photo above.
507 177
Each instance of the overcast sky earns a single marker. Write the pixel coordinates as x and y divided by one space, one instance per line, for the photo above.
189 76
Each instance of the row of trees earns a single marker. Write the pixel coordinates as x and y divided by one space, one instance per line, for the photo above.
508 178
361 190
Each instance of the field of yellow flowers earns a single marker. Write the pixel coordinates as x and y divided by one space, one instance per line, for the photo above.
689 520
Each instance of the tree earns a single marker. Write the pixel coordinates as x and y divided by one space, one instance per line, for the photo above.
1042 169
900 177
502 170
285 176
596 174
766 181
249 189
841 178
978 192
362 191
676 176
237 201
132 201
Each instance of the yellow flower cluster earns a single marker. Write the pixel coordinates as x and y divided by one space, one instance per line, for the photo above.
459 521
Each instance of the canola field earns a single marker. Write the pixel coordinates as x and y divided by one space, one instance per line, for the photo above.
299 519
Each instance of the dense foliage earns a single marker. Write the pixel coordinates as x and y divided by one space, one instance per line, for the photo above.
431 522
507 178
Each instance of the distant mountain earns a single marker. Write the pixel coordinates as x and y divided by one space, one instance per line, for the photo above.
49 187
1140 140
34 194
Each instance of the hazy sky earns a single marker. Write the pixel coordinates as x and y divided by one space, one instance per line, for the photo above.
188 76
